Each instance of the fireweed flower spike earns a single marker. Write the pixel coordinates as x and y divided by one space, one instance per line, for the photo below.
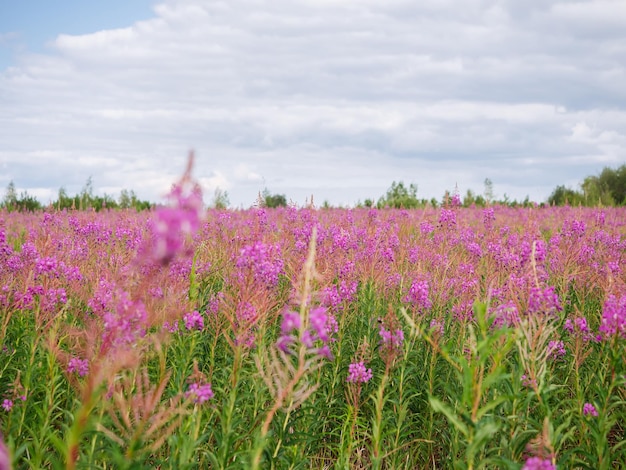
614 317
179 220
5 459
358 373
78 366
537 463
199 392
589 410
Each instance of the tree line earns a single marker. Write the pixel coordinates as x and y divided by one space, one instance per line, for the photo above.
85 200
608 188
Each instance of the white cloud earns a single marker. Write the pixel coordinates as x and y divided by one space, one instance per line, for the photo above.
340 97
216 181
244 173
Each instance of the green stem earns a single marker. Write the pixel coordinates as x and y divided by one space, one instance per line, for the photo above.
377 425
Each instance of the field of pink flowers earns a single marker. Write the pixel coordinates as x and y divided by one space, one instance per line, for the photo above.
304 338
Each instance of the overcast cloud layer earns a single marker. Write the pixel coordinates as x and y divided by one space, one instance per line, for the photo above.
335 98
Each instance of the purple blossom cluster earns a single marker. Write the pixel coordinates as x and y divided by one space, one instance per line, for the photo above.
78 366
590 410
580 329
436 327
173 224
263 260
193 320
538 463
506 315
334 295
125 322
391 340
102 298
556 349
447 218
315 337
613 321
544 301
199 392
418 296
246 317
358 373
489 217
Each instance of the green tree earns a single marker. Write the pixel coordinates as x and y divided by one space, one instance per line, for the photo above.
63 200
220 199
273 200
399 196
615 182
562 196
29 203
125 200
86 195
595 192
488 193
10 196
23 202
128 199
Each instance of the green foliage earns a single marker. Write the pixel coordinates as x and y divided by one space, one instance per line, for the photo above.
605 189
273 200
23 203
220 199
87 200
398 196
471 199
562 196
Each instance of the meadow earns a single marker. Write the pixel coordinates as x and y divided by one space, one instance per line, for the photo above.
312 339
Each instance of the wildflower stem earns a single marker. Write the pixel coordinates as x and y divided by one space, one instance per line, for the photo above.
377 425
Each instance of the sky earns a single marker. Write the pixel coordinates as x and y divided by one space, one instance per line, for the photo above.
334 99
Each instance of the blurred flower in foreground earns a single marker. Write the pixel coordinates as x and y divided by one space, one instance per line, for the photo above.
5 460
179 220
537 463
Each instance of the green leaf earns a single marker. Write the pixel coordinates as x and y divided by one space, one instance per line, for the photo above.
439 407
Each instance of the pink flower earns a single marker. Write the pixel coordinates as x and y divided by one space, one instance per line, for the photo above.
291 321
556 349
7 404
537 463
589 410
614 317
79 366
181 219
418 296
5 459
199 393
358 373
391 340
193 321
320 328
